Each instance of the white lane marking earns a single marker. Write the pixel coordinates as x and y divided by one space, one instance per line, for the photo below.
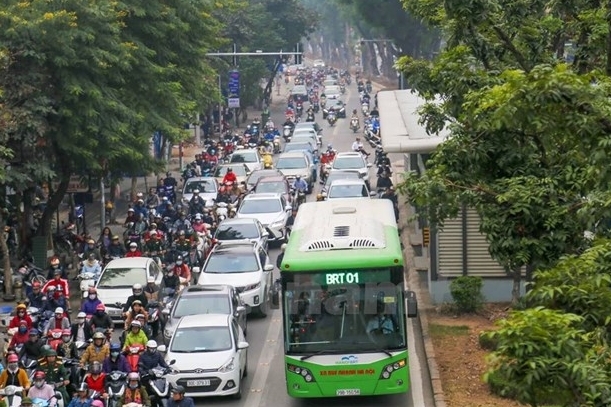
415 370
271 346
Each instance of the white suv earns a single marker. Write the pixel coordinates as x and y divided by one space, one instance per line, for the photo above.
353 161
348 188
244 266
271 210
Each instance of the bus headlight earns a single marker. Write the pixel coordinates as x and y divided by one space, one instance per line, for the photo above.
388 370
301 371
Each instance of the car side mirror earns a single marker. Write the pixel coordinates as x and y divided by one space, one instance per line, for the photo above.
412 304
373 194
162 348
240 309
369 165
243 345
165 312
268 267
288 208
265 233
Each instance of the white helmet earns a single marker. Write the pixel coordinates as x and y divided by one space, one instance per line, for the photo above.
59 310
283 247
151 344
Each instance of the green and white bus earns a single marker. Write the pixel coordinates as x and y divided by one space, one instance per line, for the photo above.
344 302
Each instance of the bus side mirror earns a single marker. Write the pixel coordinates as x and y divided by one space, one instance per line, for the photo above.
412 304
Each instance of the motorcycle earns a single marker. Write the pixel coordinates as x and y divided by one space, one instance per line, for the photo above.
299 197
81 346
299 110
72 365
354 124
30 366
316 107
365 108
331 118
133 356
153 309
12 395
276 145
115 387
87 280
54 338
158 386
286 133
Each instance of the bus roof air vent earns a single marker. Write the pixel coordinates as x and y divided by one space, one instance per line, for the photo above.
366 243
341 231
314 245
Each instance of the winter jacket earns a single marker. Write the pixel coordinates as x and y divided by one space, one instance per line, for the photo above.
150 360
119 364
78 402
58 283
89 306
54 323
134 339
101 321
139 396
46 392
19 378
94 354
186 402
16 320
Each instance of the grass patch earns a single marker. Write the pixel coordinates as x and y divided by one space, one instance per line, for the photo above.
437 330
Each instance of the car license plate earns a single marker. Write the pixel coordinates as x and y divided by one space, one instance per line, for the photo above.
114 311
348 392
198 383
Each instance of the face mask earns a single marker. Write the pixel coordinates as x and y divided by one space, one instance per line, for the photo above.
80 321
66 339
152 350
133 386
55 266
92 296
114 354
99 313
23 329
12 366
179 262
170 273
132 249
39 383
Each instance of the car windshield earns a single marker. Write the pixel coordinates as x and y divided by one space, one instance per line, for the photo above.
204 186
303 138
347 163
122 277
292 163
288 147
254 206
237 232
228 262
245 157
201 339
238 170
348 191
202 304
342 318
256 175
276 187
333 175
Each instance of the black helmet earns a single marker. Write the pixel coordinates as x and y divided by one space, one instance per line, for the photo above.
178 390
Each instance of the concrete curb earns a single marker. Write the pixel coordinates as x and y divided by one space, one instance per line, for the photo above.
423 298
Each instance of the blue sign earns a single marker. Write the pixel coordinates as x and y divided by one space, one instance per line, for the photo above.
234 84
157 142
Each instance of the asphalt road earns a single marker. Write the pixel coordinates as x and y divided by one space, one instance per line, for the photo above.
265 384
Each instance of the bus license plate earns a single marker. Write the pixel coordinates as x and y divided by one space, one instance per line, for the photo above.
348 392
198 383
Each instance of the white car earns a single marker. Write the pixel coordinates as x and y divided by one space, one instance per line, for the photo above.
319 63
271 210
207 187
348 188
250 158
243 265
333 92
210 356
117 279
353 161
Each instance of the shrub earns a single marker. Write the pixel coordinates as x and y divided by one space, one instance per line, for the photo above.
466 292
487 341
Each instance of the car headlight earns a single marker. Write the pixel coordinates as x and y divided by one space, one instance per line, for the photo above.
227 367
167 333
252 286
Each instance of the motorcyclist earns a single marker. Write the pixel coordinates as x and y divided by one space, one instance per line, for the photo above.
391 196
20 337
136 309
151 358
384 181
36 298
357 146
153 244
55 372
56 282
135 392
300 185
182 270
115 249
68 348
101 319
92 265
182 244
151 290
21 314
230 176
269 125
14 375
310 115
152 199
96 378
97 351
133 250
170 282
32 349
196 204
91 302
199 225
132 217
135 336
163 206
54 264
116 360
178 398
320 197
137 294
182 224
268 161
81 330
140 209
42 390
280 256
58 321
91 247
81 399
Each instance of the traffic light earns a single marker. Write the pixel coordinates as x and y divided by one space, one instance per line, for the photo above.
299 54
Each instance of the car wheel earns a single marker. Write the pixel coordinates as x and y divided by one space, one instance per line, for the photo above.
238 395
245 327
262 310
245 373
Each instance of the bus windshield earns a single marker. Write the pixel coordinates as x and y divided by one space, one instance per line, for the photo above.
339 312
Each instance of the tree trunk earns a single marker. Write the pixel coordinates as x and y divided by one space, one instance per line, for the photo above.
6 260
55 199
372 59
134 188
515 290
387 61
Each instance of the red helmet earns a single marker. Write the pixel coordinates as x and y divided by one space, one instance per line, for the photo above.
40 375
36 284
100 307
66 332
12 358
